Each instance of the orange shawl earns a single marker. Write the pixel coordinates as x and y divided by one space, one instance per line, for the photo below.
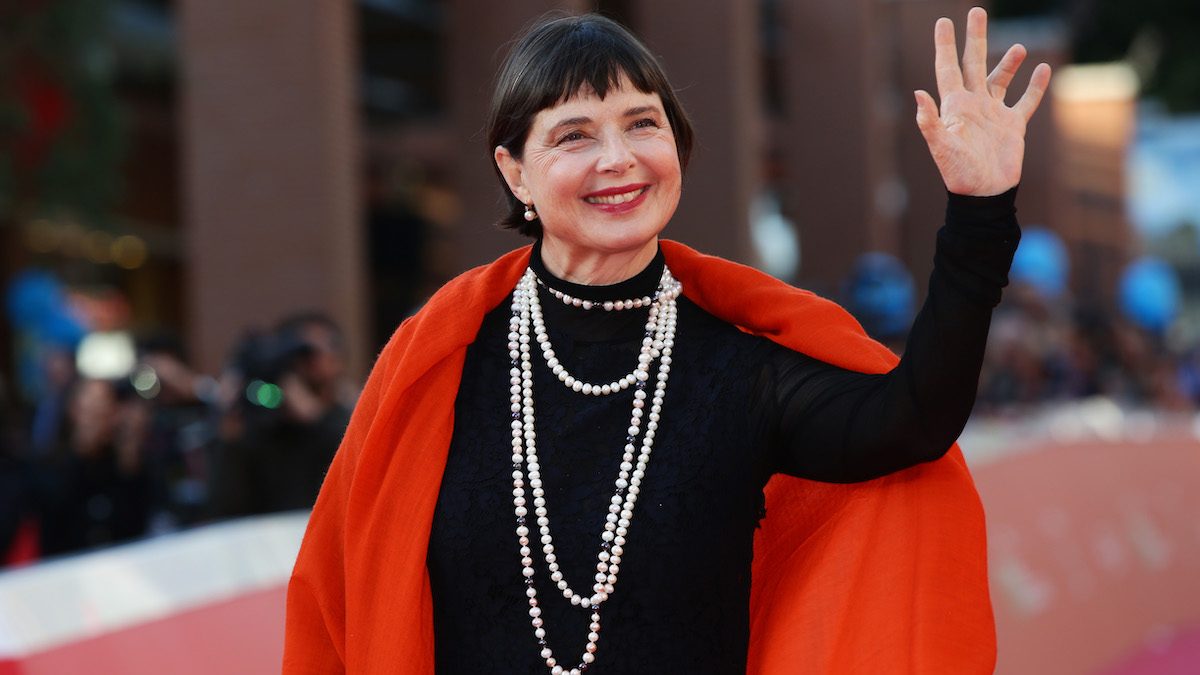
887 576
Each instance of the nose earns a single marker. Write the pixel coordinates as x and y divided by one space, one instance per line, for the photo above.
615 154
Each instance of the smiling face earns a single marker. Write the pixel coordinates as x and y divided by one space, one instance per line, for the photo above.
602 174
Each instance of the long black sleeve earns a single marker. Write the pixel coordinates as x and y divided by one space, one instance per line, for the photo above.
835 425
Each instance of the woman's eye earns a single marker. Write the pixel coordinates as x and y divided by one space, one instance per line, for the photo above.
573 136
646 124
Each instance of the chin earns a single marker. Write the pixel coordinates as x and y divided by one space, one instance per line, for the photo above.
631 239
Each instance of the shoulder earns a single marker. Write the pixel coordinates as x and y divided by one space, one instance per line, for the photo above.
451 318
758 303
453 312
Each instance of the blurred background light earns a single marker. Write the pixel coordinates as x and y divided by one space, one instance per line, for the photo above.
1150 294
1041 261
106 356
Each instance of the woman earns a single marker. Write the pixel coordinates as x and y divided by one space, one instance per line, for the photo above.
612 366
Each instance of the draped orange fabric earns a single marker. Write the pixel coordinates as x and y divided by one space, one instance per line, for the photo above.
887 576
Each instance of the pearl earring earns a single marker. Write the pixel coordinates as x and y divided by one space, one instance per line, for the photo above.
530 214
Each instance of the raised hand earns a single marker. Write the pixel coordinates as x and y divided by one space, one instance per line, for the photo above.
977 141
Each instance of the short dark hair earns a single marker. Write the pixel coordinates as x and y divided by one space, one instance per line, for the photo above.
549 64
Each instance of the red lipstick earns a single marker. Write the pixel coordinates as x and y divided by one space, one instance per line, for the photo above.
620 190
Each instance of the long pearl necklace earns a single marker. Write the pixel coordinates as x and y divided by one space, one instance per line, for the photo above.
657 343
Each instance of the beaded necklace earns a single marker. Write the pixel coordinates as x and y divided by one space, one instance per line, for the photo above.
527 326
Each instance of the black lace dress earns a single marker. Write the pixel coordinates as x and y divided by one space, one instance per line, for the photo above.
737 409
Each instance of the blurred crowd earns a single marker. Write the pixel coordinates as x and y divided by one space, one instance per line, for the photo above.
87 462
1042 351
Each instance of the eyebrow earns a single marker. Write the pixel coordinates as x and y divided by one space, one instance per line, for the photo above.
573 121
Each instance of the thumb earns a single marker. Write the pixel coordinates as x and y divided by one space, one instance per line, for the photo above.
927 114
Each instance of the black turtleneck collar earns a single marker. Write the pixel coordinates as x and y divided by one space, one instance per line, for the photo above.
596 324
641 284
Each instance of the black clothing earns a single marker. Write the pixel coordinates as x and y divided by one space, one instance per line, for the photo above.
88 501
737 409
276 464
13 501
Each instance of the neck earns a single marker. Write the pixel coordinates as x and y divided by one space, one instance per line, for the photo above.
596 268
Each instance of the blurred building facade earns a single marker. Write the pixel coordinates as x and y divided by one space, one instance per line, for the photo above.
322 155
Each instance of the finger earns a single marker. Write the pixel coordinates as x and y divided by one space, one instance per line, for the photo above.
1034 92
945 59
928 119
1002 75
974 62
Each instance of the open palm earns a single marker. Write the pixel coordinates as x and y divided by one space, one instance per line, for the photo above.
977 141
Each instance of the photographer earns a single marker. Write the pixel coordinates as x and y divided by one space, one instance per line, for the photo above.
284 418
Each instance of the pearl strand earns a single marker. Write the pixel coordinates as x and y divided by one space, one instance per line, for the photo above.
656 333
607 305
669 289
658 343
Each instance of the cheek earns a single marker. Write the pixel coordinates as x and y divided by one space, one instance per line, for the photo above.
565 176
665 161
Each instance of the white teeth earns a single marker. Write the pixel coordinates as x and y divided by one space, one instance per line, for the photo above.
617 199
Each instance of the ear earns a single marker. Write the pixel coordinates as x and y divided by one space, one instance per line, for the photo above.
510 167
